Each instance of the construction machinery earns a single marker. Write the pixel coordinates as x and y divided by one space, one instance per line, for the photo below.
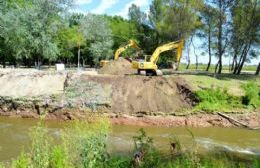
131 44
150 67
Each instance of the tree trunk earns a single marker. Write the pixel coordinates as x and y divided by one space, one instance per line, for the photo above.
220 65
244 56
3 61
188 59
233 63
83 62
258 69
220 52
216 67
78 56
209 49
188 54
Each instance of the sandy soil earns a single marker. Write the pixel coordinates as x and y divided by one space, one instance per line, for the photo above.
30 83
144 95
118 67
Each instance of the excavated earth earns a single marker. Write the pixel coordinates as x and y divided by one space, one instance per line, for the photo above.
126 99
117 67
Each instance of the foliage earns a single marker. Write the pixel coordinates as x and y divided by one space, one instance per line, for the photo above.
58 158
175 19
83 144
216 99
29 29
23 161
41 146
122 30
252 94
68 38
98 34
245 33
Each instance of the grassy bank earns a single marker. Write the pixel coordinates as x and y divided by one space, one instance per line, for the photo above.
225 93
218 99
83 144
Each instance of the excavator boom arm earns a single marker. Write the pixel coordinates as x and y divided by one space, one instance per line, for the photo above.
170 46
122 49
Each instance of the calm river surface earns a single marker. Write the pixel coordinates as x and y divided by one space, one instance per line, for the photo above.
14 137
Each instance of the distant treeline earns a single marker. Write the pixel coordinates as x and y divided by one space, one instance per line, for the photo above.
37 32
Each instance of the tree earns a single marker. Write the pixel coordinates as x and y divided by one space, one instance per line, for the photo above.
258 69
208 29
145 35
245 32
29 30
175 19
120 30
222 29
69 38
98 35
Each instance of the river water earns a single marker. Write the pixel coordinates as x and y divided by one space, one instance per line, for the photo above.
14 137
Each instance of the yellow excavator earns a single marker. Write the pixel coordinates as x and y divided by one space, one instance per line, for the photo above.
150 67
131 43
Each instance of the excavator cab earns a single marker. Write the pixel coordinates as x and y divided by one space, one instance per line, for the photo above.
150 67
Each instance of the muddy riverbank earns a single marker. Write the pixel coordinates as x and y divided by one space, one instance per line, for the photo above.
251 120
125 99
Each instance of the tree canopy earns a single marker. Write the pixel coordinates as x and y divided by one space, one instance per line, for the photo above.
44 31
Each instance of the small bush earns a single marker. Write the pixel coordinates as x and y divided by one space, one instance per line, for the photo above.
2 165
216 100
58 158
85 144
23 161
252 94
41 146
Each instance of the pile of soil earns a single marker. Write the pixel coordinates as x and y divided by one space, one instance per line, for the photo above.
117 67
139 95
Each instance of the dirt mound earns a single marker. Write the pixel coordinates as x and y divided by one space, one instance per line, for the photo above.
139 95
117 67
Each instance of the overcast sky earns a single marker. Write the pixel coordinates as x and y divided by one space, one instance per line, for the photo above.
120 7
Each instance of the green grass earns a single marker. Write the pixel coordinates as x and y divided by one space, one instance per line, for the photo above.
252 94
83 145
202 67
232 83
218 99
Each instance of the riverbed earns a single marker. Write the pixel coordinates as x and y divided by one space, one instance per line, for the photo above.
14 137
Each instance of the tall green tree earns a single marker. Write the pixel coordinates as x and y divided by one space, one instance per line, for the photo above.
122 30
145 35
222 29
98 35
175 19
245 32
29 29
208 30
69 38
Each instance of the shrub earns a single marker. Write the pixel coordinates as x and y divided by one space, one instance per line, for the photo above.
85 144
216 99
58 158
41 146
23 161
252 94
